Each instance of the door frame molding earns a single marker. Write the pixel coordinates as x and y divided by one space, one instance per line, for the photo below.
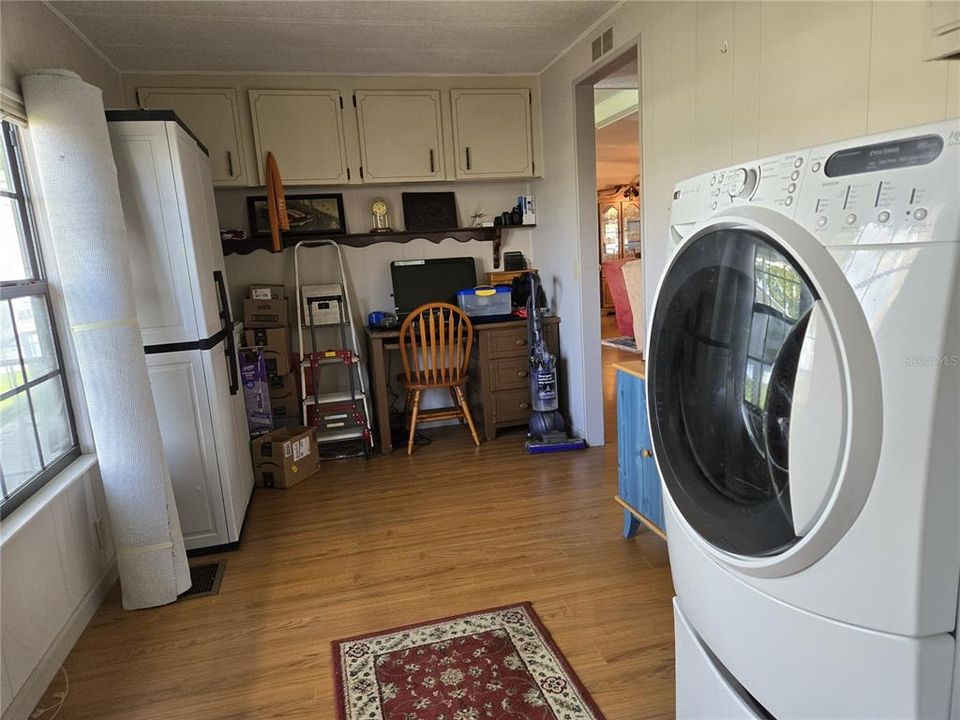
585 154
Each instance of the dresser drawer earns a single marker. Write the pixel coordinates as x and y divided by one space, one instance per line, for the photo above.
507 343
513 342
511 373
510 405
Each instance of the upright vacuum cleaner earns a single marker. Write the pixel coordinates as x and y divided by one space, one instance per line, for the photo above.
547 430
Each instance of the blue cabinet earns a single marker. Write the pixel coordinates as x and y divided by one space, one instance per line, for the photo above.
639 489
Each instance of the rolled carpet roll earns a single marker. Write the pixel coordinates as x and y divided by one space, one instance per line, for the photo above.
78 181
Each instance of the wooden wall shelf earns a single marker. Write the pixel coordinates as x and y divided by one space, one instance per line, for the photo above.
480 234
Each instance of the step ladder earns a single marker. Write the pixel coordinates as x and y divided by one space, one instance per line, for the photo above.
341 418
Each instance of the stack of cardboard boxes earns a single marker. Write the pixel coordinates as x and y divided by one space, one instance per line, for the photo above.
265 327
288 454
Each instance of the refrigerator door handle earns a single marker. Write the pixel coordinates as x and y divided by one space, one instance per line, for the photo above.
230 349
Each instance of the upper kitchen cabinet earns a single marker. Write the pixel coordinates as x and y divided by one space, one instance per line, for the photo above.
401 135
492 133
942 38
304 131
212 114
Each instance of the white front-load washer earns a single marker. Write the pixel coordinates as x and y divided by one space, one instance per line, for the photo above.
804 399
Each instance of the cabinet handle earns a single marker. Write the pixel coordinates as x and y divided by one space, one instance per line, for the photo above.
229 163
468 157
431 160
646 453
524 406
519 341
522 373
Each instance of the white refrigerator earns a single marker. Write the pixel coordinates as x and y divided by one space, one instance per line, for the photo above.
183 308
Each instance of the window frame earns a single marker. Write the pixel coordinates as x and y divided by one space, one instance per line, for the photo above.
35 286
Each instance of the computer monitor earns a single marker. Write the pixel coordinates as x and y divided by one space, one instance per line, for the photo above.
416 282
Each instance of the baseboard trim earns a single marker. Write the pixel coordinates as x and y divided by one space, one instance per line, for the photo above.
43 674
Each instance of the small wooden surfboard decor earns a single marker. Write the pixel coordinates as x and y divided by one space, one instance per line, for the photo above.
276 202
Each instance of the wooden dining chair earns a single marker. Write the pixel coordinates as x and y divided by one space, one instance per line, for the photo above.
435 343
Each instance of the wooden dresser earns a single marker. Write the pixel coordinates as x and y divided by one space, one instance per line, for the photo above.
499 372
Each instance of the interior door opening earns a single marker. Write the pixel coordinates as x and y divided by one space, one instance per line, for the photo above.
617 135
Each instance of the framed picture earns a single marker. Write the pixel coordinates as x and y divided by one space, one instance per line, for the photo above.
313 214
429 211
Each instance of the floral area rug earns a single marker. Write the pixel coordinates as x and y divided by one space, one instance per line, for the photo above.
498 664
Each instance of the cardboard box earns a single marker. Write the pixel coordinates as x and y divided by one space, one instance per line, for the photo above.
284 398
264 313
282 385
285 457
275 343
263 291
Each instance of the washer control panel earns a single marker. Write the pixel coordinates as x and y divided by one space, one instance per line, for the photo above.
772 182
899 187
895 187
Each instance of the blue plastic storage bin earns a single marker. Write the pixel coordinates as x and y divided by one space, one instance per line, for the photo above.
485 300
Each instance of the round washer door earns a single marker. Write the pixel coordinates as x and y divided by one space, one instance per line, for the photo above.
750 400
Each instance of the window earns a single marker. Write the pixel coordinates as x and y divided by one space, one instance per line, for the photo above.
37 433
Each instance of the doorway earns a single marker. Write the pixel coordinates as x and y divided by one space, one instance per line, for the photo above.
616 234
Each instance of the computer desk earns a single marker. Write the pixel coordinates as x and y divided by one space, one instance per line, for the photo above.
498 389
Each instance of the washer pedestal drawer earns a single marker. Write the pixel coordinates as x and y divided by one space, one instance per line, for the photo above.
705 690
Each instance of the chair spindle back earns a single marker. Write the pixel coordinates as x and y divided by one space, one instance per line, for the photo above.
435 344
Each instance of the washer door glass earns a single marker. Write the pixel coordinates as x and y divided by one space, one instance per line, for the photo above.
725 343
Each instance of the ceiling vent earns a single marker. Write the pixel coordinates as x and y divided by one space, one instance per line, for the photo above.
602 44
607 38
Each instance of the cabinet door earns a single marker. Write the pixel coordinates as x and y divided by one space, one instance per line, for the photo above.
304 131
179 391
162 280
629 392
630 233
639 480
942 39
198 214
492 133
233 451
212 114
610 245
400 135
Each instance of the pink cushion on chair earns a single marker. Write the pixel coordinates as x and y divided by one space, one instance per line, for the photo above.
612 271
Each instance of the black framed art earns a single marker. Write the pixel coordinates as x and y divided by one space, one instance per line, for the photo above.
429 211
310 214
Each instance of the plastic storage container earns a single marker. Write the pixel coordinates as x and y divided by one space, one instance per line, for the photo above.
485 301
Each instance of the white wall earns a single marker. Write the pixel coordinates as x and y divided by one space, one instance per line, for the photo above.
793 74
54 573
32 37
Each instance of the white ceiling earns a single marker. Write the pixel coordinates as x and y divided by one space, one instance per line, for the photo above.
344 37
618 152
625 76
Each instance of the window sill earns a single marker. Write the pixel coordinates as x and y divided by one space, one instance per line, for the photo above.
42 498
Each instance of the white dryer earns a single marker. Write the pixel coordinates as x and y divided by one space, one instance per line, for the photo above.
804 398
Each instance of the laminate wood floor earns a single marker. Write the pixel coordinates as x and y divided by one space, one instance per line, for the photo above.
609 356
369 545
